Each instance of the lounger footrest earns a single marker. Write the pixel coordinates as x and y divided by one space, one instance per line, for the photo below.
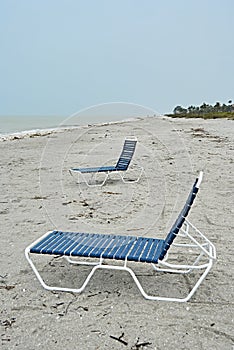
100 246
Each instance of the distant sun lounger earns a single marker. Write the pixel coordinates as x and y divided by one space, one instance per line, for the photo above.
118 252
121 166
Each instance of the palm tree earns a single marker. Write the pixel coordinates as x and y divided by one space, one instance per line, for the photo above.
203 107
217 107
179 110
191 109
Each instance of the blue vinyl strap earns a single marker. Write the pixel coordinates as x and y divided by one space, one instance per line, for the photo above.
98 245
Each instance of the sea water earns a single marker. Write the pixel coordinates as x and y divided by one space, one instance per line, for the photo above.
103 113
16 124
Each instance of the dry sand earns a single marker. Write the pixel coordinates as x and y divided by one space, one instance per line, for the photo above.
38 194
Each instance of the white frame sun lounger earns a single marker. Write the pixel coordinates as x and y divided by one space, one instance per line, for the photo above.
121 166
116 252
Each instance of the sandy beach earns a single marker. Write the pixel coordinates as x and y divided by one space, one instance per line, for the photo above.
38 194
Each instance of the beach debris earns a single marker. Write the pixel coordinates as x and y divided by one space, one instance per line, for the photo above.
110 192
4 211
201 132
58 306
8 323
51 262
85 308
39 197
119 339
42 222
74 217
140 345
135 229
66 309
84 203
93 295
6 339
7 287
96 331
66 203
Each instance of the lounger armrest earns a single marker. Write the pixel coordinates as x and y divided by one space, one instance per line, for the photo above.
212 253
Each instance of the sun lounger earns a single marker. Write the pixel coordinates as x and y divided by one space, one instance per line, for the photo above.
121 166
118 252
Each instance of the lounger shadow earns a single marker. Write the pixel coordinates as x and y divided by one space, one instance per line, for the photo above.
109 250
121 166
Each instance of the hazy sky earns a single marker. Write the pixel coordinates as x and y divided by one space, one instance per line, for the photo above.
59 56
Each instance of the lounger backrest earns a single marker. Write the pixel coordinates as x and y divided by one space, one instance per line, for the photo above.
181 218
126 154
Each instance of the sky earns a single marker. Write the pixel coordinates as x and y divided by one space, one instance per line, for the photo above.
60 56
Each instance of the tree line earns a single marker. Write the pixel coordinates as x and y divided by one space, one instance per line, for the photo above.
205 108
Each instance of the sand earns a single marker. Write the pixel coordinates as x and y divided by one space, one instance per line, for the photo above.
38 194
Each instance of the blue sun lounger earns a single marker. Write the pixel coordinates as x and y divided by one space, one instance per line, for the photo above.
121 166
125 250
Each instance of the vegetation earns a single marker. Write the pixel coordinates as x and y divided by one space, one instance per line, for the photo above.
205 111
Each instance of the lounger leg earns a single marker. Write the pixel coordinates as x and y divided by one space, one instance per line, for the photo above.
54 288
97 185
152 297
87 182
181 300
134 181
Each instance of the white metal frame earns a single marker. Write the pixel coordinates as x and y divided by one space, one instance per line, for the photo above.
205 250
107 174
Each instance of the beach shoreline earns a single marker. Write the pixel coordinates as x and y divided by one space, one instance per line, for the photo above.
47 131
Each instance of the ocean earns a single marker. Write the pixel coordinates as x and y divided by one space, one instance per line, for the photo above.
103 113
17 124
